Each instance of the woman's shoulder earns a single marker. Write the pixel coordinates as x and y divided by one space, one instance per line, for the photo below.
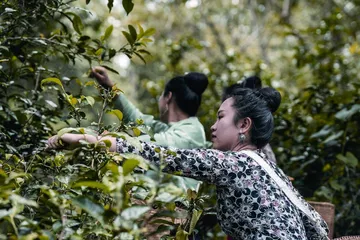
191 124
189 130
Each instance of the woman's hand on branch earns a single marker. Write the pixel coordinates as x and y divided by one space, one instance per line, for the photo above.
71 140
68 140
54 142
102 77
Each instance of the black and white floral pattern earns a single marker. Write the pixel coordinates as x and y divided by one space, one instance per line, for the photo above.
250 205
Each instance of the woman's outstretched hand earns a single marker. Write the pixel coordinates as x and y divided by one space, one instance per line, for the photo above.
71 140
55 142
67 140
102 77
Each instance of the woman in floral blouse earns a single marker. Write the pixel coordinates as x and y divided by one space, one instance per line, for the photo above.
255 199
252 82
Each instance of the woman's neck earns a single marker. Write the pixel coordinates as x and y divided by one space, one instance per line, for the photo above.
175 114
245 146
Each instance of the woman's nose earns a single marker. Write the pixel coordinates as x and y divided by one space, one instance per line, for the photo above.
213 128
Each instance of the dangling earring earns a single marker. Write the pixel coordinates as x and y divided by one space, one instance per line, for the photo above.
242 138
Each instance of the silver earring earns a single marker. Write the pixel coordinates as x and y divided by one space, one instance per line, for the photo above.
242 138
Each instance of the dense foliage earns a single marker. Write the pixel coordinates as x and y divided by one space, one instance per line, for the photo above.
85 192
309 50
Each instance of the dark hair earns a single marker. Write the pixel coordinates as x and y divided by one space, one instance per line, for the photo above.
187 91
252 82
258 105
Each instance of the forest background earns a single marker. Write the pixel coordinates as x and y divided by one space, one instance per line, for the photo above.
308 50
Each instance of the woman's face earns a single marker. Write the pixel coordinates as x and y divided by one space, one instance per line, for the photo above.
225 134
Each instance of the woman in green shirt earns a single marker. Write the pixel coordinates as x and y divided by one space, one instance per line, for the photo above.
178 125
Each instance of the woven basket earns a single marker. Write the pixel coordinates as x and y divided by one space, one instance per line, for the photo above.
348 238
327 212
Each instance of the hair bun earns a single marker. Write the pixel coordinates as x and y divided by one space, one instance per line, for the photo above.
196 81
252 82
271 96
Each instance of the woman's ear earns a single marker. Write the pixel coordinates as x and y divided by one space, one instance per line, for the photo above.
244 125
168 97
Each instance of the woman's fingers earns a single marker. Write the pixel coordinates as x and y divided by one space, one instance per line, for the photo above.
54 142
101 76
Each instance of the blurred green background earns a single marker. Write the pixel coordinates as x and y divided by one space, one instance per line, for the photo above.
308 50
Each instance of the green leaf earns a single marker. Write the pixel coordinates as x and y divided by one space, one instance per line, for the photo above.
181 234
349 159
91 184
335 185
99 51
3 48
144 51
129 165
107 142
141 57
128 37
77 24
110 69
117 113
194 219
146 40
78 130
90 100
84 38
112 53
5 213
114 168
325 192
72 100
94 209
110 4
144 164
89 83
345 114
65 130
149 32
52 80
333 137
24 201
135 212
9 10
128 6
191 194
323 132
51 103
136 131
132 31
108 32
162 221
14 175
141 32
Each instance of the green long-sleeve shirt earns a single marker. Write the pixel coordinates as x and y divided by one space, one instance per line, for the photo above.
188 133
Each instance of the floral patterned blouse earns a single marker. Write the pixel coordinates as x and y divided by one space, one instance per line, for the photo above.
250 205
